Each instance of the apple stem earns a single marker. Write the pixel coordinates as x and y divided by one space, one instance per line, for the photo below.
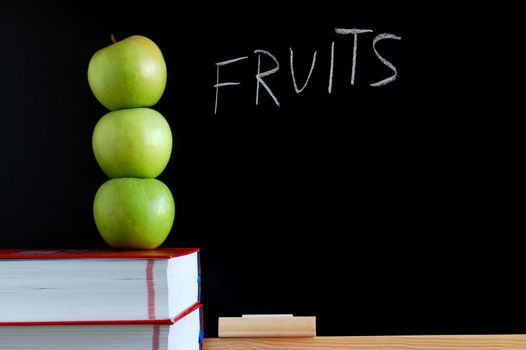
113 38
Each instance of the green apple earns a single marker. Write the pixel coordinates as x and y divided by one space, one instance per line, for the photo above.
133 142
134 213
129 73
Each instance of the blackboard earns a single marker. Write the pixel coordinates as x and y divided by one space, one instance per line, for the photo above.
379 209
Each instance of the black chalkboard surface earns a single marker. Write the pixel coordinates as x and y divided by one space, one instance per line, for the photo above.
363 186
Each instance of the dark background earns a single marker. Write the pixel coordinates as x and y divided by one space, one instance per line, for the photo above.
385 210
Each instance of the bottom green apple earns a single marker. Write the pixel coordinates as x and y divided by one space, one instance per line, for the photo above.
134 213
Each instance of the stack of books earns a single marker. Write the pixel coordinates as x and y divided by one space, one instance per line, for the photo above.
100 299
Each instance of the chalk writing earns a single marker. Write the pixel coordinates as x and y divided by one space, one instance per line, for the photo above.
265 54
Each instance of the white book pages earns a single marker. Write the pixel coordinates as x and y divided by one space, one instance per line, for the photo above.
183 335
33 290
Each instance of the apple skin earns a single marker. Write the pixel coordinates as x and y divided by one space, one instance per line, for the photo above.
134 213
133 142
129 73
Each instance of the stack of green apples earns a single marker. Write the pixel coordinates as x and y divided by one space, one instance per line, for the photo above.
132 144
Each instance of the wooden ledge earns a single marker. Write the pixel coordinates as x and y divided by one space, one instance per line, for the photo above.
420 342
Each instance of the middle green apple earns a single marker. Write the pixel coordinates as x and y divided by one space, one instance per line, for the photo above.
133 142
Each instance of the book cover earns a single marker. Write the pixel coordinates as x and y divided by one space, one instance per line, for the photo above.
159 253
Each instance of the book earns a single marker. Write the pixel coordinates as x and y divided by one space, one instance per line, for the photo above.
182 333
97 285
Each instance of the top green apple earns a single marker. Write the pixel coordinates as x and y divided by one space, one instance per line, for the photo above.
127 74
